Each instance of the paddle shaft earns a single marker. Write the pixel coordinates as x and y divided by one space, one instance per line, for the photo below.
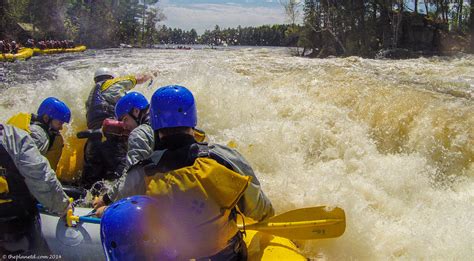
286 225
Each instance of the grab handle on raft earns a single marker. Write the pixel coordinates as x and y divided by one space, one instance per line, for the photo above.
71 218
90 134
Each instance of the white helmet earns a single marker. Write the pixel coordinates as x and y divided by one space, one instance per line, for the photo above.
103 72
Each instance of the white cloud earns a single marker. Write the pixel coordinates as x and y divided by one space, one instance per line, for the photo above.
206 16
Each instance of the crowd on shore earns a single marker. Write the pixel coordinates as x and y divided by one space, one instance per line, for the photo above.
7 46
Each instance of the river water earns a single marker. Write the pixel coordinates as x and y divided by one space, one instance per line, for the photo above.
390 142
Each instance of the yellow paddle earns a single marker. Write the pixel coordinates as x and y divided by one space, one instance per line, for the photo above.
304 223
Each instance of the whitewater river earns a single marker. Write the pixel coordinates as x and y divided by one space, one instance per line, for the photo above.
390 142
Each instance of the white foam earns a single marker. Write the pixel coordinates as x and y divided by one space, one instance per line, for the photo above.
385 140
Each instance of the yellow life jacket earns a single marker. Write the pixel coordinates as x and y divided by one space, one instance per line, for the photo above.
22 120
113 81
54 152
4 189
196 203
4 186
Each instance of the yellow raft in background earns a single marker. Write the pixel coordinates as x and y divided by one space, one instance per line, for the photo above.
23 54
26 53
80 48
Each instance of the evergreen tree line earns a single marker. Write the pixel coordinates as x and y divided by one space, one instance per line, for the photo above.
363 27
107 23
97 24
266 35
330 27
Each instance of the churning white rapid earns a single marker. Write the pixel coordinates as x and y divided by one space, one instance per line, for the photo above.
391 142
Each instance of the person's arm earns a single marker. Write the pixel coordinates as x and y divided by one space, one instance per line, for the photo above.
40 138
114 89
140 145
39 177
254 203
131 183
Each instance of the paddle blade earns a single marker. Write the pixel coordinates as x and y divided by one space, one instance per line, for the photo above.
305 223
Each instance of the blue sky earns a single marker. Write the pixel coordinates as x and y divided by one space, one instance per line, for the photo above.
205 14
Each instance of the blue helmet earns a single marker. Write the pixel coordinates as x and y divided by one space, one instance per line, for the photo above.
173 106
128 230
55 109
130 101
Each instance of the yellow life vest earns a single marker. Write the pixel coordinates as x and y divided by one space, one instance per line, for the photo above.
195 207
54 152
22 120
4 189
113 81
4 186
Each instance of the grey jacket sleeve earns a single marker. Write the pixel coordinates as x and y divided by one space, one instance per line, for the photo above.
254 203
39 177
131 183
40 137
140 145
117 91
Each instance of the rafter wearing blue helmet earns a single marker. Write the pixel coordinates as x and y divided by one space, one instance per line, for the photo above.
214 179
173 106
132 109
52 114
45 126
55 110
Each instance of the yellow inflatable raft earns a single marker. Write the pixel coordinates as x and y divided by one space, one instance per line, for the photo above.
80 48
262 246
23 54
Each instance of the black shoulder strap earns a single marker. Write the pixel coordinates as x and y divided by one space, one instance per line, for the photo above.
149 167
196 150
203 150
